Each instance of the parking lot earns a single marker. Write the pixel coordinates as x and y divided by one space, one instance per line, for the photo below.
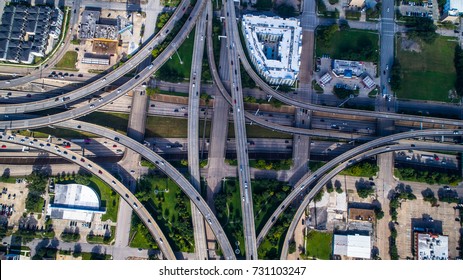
420 9
352 83
419 213
12 200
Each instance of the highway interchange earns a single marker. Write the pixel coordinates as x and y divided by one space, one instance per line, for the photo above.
235 55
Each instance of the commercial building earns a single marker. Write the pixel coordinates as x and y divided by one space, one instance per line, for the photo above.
75 202
274 45
429 246
27 32
347 69
90 58
353 246
454 5
91 27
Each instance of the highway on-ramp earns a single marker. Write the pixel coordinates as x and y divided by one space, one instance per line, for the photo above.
114 75
345 164
165 167
137 80
193 132
303 185
100 172
240 136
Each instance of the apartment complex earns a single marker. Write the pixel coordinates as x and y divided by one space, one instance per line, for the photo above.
27 32
274 46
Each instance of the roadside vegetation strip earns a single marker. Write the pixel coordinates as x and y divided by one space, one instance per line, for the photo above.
272 244
228 208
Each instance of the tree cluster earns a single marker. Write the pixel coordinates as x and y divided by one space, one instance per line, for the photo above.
159 48
361 169
428 195
285 10
422 28
37 185
448 195
430 177
162 19
283 164
326 33
274 236
401 193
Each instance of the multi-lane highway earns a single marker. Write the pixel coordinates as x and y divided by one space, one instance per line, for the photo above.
133 62
98 171
137 80
322 182
165 167
193 132
303 185
240 133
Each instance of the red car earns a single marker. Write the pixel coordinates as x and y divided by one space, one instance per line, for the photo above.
3 146
114 146
99 171
82 160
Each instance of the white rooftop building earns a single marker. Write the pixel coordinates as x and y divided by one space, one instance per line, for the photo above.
432 246
354 246
455 5
75 202
274 45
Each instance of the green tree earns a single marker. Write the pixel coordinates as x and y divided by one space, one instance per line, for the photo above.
396 75
292 247
422 28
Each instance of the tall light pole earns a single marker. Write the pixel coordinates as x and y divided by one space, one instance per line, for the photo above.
175 46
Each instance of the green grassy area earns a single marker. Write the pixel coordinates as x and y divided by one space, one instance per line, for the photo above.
8 179
68 62
95 256
109 198
140 237
43 132
171 209
429 74
228 206
173 67
319 245
171 127
116 121
351 44
255 131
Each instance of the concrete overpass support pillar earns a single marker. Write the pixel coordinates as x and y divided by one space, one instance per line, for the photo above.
130 161
301 146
